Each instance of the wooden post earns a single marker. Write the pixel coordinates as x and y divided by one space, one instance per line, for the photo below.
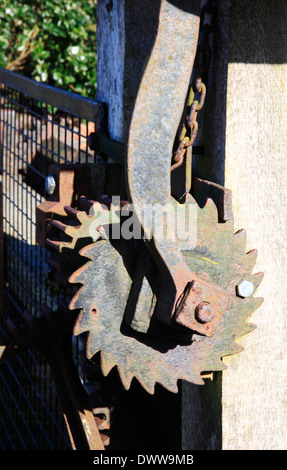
254 407
245 133
110 63
125 35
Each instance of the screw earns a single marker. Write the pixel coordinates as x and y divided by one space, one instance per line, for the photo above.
50 185
245 288
204 312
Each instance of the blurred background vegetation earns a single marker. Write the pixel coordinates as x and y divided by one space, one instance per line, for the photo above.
52 41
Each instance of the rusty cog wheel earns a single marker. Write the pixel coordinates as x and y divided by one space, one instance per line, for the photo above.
106 283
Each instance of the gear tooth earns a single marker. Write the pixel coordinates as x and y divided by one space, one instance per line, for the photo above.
78 277
229 226
251 327
84 251
89 353
258 301
248 307
224 367
192 376
70 211
126 378
73 302
234 348
240 239
185 377
197 381
256 279
219 365
70 231
189 199
95 235
147 382
55 244
59 225
106 366
250 259
96 209
78 328
76 302
149 387
173 388
83 217
210 210
216 366
171 383
72 279
246 328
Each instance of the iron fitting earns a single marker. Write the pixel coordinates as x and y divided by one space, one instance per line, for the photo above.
204 312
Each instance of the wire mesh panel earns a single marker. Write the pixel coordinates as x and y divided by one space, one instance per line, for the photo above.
31 417
39 126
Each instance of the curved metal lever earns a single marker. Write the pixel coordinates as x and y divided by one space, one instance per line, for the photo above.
159 105
157 113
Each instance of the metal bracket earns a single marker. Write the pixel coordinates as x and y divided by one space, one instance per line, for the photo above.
71 182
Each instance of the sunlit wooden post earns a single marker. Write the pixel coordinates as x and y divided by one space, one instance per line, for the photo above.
254 408
245 406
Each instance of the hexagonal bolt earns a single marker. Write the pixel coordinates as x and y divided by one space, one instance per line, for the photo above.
244 289
50 185
204 312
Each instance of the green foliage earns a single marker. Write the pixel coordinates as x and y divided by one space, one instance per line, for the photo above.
52 41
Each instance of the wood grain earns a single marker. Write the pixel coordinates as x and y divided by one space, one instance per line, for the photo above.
254 404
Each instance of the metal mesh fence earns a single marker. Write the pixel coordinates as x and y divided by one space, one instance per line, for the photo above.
39 126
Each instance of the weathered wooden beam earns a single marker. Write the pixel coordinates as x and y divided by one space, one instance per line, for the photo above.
126 32
245 148
254 407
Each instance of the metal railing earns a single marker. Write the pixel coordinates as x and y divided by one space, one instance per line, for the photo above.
39 125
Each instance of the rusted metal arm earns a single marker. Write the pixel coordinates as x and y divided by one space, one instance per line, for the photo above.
159 105
157 113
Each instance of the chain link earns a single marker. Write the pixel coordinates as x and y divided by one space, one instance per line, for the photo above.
190 127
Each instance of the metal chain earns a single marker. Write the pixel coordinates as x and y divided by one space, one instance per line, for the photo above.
190 127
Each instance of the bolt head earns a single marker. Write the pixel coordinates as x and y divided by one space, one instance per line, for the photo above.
50 185
204 312
245 288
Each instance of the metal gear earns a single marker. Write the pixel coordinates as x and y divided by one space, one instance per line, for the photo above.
119 274
72 231
156 310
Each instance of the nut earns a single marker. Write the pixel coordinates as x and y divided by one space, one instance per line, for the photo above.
50 185
204 312
245 289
